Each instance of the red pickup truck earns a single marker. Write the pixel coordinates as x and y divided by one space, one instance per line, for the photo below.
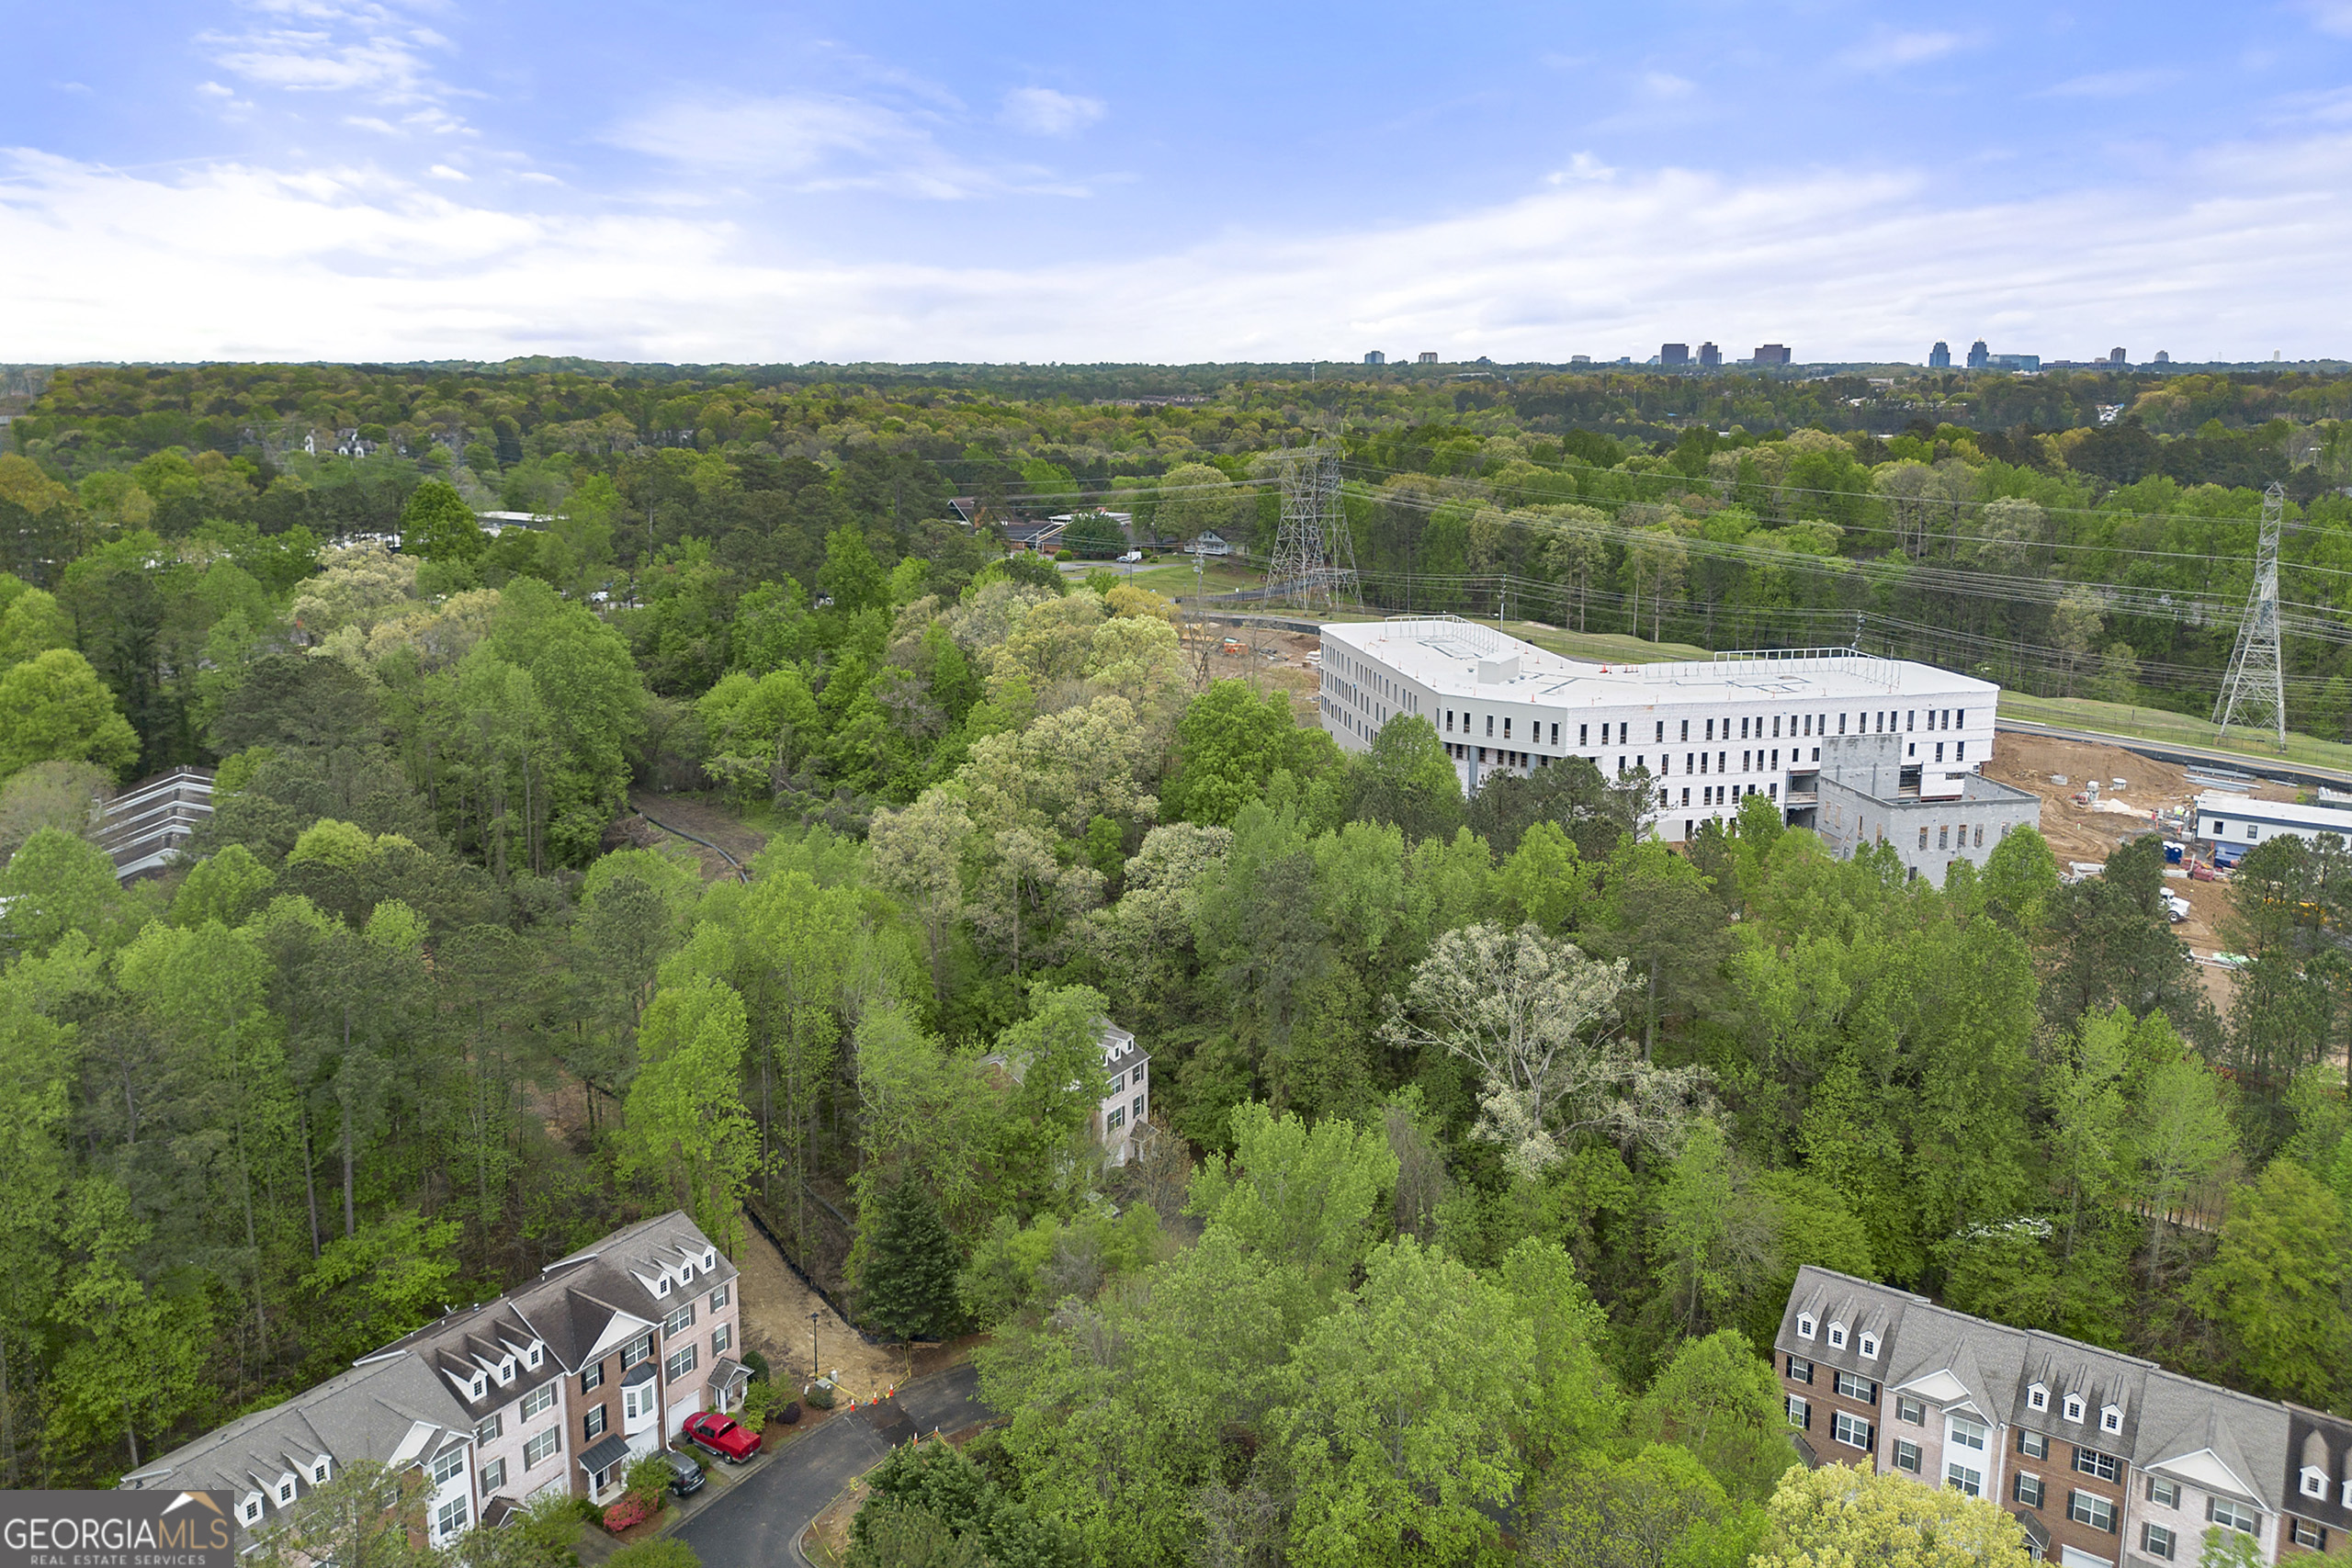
721 1435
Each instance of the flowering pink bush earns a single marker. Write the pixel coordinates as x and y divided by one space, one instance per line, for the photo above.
627 1512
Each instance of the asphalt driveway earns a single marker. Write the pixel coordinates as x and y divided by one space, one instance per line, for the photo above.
761 1516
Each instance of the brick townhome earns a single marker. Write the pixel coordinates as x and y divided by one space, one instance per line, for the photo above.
552 1388
2102 1458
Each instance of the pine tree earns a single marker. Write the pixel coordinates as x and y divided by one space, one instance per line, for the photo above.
909 1284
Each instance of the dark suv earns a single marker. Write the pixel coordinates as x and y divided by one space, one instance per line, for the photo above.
685 1477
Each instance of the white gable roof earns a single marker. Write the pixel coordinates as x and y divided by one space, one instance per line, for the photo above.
2205 1469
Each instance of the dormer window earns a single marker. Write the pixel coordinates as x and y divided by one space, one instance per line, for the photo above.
319 1472
710 1256
2315 1481
662 1286
2037 1397
533 1356
2111 1418
506 1370
249 1511
1836 1336
286 1491
2074 1408
478 1386
1870 1347
1805 1325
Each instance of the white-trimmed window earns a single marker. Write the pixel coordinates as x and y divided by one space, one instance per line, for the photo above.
506 1370
1906 1456
1910 1410
1870 1347
318 1471
1850 1431
534 1355
2315 1481
2307 1534
539 1400
480 1386
2074 1411
1805 1325
2157 1541
2033 1445
681 1363
709 1258
1800 1413
2027 1489
1800 1370
2232 1515
1861 1390
2111 1418
638 1399
2037 1397
1963 1479
493 1476
1962 1433
448 1464
285 1489
249 1510
722 1339
2090 1509
537 1451
679 1321
718 1299
2162 1492
451 1516
488 1431
662 1286
1836 1336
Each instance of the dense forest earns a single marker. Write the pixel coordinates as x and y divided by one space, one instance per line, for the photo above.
415 1015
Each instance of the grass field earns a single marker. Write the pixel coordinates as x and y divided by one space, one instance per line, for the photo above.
2172 728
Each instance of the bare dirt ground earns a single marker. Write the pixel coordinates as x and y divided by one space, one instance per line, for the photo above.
2079 833
704 819
776 1308
1270 659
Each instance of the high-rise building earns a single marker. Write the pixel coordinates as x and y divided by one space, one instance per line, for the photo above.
2115 357
1772 353
1673 354
1977 355
2163 357
1939 356
1375 357
1579 358
1710 357
1429 357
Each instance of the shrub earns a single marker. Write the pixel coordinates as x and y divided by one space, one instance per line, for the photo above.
629 1510
788 1415
759 1365
759 1398
819 1396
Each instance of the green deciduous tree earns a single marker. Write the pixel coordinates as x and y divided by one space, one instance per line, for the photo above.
57 711
437 525
2275 1291
1842 1516
685 1127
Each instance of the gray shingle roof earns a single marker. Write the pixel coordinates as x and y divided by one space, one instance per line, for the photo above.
2164 1415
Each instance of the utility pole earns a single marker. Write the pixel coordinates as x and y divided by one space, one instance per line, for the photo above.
1313 561
2254 694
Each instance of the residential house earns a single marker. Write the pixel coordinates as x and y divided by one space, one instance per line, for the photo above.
1127 1098
1210 542
551 1389
2102 1458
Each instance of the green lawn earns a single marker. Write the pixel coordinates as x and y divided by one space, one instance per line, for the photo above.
2180 730
1175 579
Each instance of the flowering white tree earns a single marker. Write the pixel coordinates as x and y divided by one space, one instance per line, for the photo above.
1529 1010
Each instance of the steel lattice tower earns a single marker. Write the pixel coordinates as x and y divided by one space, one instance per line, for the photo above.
2254 694
1314 563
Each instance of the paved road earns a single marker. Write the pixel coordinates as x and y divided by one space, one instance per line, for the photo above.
756 1523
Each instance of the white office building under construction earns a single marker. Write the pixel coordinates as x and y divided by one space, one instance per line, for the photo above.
1861 749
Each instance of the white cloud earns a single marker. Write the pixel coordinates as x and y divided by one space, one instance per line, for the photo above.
2330 16
825 142
444 172
235 261
2113 84
1041 111
71 86
1888 49
316 62
1666 84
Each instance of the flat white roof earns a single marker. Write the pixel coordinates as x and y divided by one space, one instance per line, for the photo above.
2273 813
1445 655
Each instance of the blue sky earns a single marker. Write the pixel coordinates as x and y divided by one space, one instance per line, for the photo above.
265 178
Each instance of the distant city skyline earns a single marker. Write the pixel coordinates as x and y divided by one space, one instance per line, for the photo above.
397 179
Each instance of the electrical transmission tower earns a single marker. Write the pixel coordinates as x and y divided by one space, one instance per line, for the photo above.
2254 694
1315 560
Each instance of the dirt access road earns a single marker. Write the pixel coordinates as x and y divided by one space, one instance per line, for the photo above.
777 1310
